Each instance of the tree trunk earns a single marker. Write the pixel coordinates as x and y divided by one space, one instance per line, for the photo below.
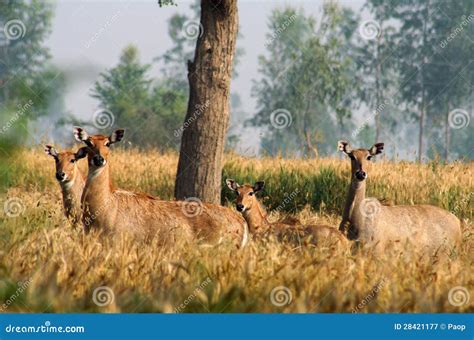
423 94
421 130
205 126
378 90
446 134
310 147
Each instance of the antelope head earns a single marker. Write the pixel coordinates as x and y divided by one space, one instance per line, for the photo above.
65 162
98 146
360 158
246 198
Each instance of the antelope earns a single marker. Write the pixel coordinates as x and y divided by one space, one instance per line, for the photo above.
256 217
112 210
365 219
70 179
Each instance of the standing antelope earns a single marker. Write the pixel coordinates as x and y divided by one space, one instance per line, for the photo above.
256 218
70 179
425 226
114 210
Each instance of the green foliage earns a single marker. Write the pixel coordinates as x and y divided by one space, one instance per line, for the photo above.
152 113
417 42
28 84
376 61
414 64
24 72
307 74
450 79
25 26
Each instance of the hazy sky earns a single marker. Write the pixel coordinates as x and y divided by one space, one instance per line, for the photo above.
88 36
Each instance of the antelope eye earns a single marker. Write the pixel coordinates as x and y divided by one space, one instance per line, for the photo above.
73 160
107 144
369 158
251 193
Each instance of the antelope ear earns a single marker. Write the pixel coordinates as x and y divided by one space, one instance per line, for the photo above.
81 153
344 146
231 184
116 136
376 149
258 186
80 134
51 151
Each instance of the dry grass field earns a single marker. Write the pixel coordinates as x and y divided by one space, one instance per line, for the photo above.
47 266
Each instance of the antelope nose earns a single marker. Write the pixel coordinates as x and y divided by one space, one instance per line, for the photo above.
60 176
240 207
361 175
98 160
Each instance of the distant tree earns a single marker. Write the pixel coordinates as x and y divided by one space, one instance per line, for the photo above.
305 82
24 27
28 84
416 42
124 89
376 58
151 113
450 79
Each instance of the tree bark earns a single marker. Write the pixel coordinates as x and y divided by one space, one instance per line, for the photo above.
205 126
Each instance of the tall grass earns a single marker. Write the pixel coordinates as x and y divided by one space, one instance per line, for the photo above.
60 268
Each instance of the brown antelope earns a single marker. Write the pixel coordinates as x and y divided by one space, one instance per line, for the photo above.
256 217
367 220
108 209
70 179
